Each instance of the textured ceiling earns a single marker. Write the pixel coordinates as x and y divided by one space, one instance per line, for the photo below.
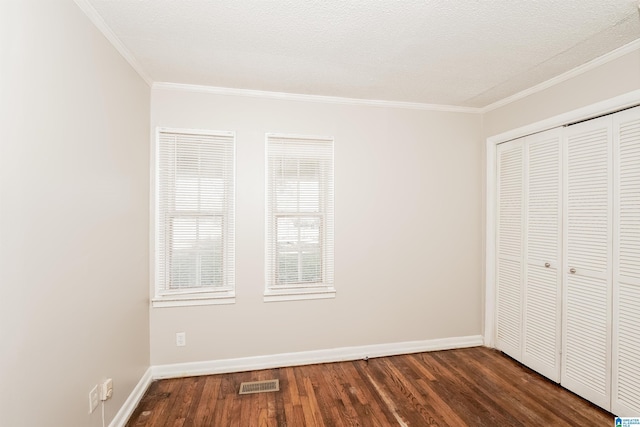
453 52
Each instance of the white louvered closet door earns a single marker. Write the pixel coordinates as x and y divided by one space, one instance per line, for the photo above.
626 270
510 225
542 290
586 341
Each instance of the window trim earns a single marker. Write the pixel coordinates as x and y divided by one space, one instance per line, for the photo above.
315 290
189 297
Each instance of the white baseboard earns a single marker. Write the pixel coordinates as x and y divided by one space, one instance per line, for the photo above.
310 357
132 401
282 360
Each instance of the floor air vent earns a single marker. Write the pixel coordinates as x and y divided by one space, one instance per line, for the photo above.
259 386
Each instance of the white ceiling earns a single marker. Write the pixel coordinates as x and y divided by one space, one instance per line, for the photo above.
467 53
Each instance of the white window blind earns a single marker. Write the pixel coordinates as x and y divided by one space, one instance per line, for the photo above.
300 217
195 243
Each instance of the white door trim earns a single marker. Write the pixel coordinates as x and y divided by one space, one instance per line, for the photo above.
608 106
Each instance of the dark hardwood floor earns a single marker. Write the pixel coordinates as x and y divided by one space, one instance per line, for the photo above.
466 387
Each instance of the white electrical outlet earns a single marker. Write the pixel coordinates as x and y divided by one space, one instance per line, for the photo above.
106 389
181 339
93 399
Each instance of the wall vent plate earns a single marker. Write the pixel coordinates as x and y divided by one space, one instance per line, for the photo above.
259 386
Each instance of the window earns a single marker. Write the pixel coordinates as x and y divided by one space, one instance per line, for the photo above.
194 218
300 222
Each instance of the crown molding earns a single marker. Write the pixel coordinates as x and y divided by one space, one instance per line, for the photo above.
97 20
581 69
312 98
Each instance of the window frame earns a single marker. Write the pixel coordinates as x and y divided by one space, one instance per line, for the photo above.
300 290
210 295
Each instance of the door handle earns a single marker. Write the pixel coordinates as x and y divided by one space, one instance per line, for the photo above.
546 264
572 270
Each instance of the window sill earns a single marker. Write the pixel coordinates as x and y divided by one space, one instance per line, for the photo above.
274 295
193 300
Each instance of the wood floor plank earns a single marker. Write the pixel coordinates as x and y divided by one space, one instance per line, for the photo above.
530 412
415 411
326 397
383 408
424 380
472 387
477 402
344 408
356 388
443 400
452 391
312 413
166 395
203 415
280 407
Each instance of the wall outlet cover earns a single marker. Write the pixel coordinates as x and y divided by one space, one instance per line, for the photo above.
181 339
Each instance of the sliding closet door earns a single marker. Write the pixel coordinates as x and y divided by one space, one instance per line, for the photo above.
626 269
586 343
510 225
543 219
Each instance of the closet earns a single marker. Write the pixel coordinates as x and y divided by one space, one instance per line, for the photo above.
568 257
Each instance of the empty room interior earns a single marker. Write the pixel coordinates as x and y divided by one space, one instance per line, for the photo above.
420 212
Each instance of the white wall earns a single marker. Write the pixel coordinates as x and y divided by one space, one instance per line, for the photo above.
408 245
74 165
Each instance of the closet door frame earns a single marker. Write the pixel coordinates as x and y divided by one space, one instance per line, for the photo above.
604 107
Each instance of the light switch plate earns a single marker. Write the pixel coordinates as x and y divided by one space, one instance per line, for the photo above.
93 399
